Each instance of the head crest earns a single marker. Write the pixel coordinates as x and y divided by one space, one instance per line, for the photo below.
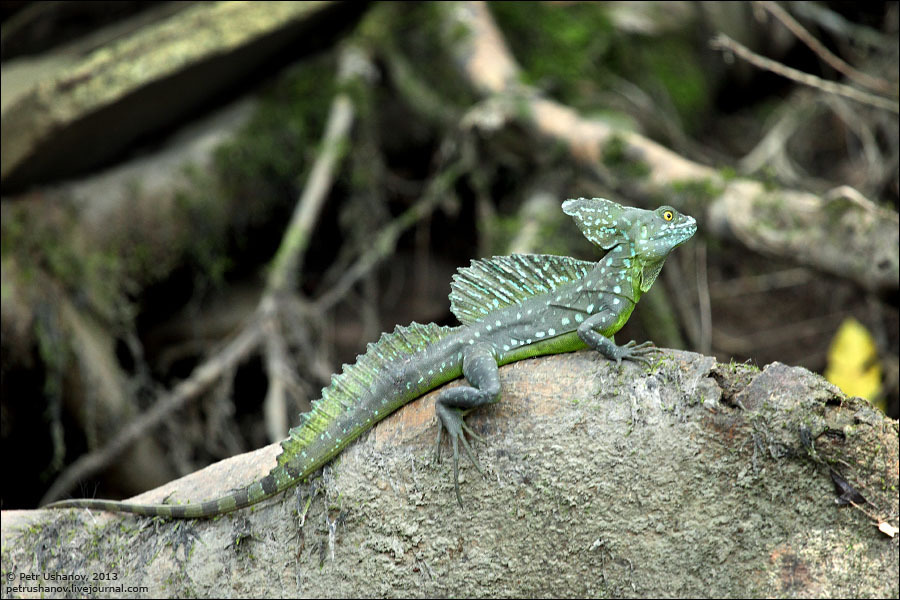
598 219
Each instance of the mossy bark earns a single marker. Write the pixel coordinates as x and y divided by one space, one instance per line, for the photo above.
692 478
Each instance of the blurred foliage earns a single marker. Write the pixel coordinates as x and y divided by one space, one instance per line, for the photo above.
272 154
563 49
46 248
410 36
575 53
669 66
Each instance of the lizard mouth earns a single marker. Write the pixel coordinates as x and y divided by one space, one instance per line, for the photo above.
681 232
690 225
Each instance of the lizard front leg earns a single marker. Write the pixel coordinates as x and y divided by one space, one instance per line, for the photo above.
605 346
481 370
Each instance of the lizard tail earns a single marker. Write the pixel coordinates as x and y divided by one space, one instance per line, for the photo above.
381 374
279 479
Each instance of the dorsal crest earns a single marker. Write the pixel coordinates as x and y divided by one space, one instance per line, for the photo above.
490 284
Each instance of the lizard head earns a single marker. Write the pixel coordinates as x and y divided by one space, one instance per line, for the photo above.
646 235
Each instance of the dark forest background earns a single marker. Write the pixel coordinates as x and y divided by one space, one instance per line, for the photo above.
208 208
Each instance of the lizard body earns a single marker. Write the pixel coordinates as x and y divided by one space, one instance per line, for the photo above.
511 308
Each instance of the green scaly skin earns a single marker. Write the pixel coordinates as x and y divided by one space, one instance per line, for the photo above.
511 308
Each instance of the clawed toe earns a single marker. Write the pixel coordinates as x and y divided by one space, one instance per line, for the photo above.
452 421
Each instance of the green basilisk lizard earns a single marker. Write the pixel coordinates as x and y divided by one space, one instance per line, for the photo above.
511 308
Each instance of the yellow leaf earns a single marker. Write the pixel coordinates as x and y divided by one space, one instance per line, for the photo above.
853 363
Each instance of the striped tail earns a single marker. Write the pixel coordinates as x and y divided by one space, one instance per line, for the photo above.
334 421
278 480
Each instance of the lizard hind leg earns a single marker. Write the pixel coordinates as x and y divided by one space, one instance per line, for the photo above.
481 370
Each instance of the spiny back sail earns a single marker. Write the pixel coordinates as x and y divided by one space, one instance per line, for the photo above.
489 284
316 430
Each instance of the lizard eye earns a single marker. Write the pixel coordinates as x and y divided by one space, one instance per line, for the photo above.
668 215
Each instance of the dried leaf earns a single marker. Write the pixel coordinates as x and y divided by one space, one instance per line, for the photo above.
848 493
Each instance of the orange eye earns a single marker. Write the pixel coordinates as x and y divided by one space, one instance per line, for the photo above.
668 215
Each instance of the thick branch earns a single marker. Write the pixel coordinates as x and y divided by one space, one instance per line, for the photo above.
586 494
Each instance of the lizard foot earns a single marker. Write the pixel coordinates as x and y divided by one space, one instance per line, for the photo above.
451 419
636 352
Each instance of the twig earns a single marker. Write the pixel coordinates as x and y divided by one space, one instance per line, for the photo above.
286 264
723 42
386 240
824 53
422 97
703 295
774 142
200 380
877 167
277 363
861 35
678 297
